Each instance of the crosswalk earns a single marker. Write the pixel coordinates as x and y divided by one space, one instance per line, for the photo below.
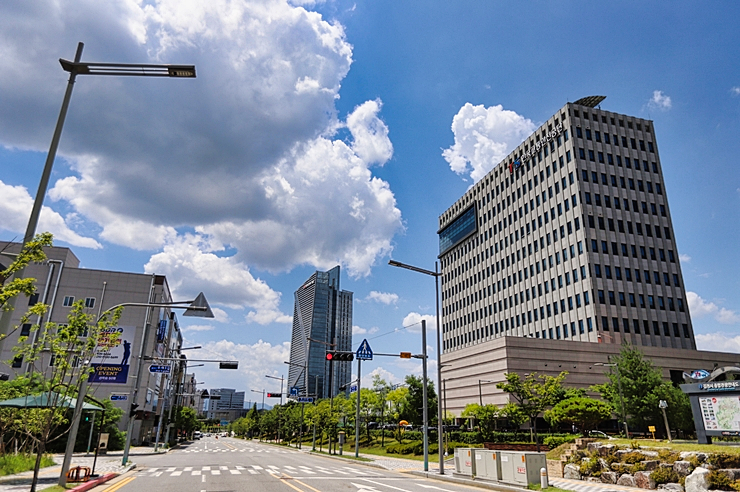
299 470
243 450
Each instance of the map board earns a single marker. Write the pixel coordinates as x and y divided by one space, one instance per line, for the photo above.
721 413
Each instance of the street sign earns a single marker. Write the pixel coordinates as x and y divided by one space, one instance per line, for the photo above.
305 399
352 389
159 369
118 397
294 391
405 355
364 352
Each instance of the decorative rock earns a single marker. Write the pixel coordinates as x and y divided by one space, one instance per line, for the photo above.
643 480
604 465
571 472
732 473
672 487
702 457
683 468
606 449
627 480
593 479
649 454
650 465
665 465
609 477
592 447
697 481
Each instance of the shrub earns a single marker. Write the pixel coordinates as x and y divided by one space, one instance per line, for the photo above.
719 481
664 475
633 457
591 467
668 456
555 441
724 460
11 464
635 445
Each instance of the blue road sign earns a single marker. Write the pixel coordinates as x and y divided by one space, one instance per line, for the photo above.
118 397
364 352
305 399
352 389
159 369
294 391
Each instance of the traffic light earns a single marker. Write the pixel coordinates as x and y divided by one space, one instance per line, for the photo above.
337 356
132 412
274 395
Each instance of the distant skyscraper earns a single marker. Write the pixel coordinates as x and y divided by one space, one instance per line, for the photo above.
322 316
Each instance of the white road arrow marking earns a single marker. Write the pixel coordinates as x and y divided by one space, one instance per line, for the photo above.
384 485
362 486
433 487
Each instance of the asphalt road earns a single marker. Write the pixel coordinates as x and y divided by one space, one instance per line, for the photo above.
226 465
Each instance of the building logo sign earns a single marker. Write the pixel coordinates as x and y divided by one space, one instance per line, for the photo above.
549 136
720 386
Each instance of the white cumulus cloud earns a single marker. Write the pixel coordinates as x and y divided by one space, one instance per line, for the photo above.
382 297
15 209
251 154
660 101
483 137
187 329
735 91
718 342
684 258
413 322
700 307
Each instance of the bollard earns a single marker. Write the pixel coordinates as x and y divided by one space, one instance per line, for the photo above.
543 479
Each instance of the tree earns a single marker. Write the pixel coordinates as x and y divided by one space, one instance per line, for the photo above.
533 394
397 399
585 413
186 420
486 415
412 410
643 387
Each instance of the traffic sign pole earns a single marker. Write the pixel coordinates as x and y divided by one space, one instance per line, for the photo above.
357 411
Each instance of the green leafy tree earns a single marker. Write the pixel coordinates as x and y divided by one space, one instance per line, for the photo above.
397 400
485 415
585 413
412 409
533 394
186 420
643 387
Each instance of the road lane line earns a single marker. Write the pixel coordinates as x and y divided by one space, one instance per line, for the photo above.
383 485
156 474
188 468
176 474
215 472
206 468
120 484
195 472
253 472
257 467
235 472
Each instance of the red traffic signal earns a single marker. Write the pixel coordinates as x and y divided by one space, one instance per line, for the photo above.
337 356
274 395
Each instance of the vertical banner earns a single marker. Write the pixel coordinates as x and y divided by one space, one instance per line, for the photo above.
111 357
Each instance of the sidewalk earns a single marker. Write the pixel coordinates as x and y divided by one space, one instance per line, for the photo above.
49 476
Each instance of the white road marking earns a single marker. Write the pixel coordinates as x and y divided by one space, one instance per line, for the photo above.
202 478
171 469
253 472
152 470
195 472
188 468
223 467
432 487
235 472
384 485
206 468
289 468
215 472
156 474
257 467
176 474
239 467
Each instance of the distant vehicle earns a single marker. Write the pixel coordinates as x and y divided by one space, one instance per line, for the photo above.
197 435
599 434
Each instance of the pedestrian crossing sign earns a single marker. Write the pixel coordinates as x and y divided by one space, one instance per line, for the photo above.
364 352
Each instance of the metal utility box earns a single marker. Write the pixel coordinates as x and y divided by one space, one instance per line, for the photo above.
488 464
522 467
465 461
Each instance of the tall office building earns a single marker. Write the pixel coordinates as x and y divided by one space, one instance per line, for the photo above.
569 238
322 321
229 404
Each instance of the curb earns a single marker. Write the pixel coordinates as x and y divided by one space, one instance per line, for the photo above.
467 481
94 483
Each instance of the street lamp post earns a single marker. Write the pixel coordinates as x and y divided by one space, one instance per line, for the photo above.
169 413
436 274
263 397
75 68
480 390
281 385
621 397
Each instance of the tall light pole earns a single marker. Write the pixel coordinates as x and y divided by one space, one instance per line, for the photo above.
621 398
75 68
480 391
263 397
281 385
436 275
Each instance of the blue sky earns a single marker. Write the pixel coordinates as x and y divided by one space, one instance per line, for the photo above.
314 136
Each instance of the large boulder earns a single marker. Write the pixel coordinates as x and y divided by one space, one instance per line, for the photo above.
643 480
671 487
627 480
609 477
697 481
572 472
650 465
649 454
683 468
702 457
606 449
604 465
592 447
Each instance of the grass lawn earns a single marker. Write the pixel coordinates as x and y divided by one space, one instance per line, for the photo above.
376 450
677 446
11 464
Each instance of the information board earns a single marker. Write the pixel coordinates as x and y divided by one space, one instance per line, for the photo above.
721 413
